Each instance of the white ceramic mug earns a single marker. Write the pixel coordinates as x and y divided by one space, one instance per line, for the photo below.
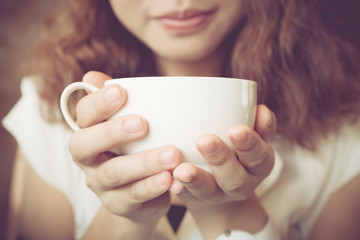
180 109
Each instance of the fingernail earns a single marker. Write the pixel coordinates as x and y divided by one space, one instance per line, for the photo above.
241 136
167 157
208 146
132 125
187 179
112 94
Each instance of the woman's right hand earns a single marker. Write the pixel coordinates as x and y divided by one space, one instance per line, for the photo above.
133 186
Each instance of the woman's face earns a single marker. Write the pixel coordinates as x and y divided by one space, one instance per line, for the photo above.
184 30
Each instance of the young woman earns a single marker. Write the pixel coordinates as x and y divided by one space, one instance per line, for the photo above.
307 73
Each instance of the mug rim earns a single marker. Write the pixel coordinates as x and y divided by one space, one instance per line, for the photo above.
194 78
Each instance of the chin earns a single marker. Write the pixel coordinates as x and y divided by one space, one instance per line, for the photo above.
185 54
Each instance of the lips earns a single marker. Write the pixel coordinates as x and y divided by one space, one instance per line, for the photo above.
182 22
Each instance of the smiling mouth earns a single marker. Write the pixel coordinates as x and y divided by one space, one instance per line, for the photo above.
185 22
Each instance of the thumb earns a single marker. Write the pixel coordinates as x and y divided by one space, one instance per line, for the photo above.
96 78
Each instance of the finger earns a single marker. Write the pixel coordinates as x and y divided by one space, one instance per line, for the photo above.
96 78
197 182
127 200
230 175
176 187
126 169
265 123
86 144
253 153
100 105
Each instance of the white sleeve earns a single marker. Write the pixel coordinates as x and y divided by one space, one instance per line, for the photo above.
348 155
45 146
270 180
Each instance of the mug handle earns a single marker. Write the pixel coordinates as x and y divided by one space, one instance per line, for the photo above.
65 98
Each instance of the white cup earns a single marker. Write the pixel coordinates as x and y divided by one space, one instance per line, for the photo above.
180 109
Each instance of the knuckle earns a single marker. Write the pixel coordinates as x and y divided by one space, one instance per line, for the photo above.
74 147
77 152
89 183
256 163
134 193
111 131
263 161
112 201
236 187
146 165
111 175
111 204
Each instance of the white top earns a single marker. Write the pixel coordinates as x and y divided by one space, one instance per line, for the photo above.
293 195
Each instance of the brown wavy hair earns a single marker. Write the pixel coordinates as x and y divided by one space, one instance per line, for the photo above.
303 54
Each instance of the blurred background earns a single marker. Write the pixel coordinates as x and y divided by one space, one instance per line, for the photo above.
20 25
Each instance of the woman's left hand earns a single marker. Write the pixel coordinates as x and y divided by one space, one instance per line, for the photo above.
235 175
225 199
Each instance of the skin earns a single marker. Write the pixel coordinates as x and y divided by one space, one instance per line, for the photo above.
145 22
185 52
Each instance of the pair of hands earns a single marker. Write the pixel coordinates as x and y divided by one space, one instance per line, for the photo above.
137 186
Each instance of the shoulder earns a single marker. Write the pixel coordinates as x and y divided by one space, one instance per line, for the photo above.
43 144
45 147
340 217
